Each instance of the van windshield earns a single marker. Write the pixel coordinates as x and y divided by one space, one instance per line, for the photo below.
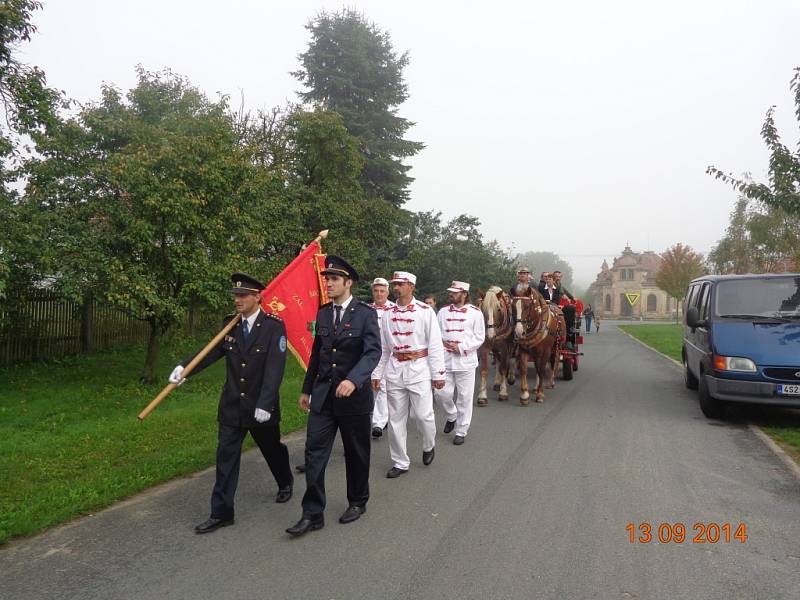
768 297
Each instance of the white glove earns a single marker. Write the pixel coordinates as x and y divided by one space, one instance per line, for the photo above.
175 376
262 416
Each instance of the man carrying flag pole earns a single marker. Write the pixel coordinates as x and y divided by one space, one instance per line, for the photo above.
255 356
254 341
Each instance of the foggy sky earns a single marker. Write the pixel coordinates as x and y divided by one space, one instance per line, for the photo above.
571 127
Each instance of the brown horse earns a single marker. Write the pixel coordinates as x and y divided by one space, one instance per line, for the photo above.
497 318
537 326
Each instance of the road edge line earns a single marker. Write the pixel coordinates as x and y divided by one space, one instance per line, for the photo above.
779 452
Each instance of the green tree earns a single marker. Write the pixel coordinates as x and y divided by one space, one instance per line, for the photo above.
758 239
351 68
319 164
783 189
732 254
438 252
29 109
29 105
152 202
679 265
324 155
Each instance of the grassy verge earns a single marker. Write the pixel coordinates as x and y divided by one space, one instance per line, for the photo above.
782 425
666 338
70 442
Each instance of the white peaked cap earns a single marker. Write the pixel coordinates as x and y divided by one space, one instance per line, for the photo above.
458 286
404 277
379 281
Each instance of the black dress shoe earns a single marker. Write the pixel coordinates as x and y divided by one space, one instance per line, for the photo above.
448 427
304 525
458 440
427 457
352 513
395 472
300 468
284 494
377 432
211 524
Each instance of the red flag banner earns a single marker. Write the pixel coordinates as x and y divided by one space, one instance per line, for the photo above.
295 295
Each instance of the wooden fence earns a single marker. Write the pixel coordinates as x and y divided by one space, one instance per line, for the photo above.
45 325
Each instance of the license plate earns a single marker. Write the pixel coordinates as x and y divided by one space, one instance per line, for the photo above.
791 389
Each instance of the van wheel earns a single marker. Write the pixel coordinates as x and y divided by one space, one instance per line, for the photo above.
688 377
712 408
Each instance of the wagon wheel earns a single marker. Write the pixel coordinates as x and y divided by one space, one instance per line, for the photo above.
566 368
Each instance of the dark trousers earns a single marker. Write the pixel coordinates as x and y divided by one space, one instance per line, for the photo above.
569 316
320 434
229 457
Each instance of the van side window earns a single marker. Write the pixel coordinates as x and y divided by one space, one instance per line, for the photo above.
690 296
702 304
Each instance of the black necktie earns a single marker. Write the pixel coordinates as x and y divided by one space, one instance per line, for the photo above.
338 316
245 329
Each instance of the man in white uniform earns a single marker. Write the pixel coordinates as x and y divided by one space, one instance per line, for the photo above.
381 303
463 332
411 362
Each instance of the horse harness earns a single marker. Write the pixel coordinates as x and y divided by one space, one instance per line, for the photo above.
533 336
504 329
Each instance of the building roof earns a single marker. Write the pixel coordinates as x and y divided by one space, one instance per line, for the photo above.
647 261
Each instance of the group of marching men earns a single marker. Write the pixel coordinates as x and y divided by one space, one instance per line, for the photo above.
364 373
424 356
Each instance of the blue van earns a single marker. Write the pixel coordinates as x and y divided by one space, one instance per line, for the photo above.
741 340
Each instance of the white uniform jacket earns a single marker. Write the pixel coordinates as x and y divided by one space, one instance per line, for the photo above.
380 310
410 328
465 327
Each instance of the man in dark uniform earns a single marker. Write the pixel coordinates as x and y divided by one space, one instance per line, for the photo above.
337 390
255 356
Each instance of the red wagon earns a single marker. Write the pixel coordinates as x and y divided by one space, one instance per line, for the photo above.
570 342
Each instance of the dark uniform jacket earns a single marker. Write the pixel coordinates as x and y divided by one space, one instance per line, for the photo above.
254 371
351 352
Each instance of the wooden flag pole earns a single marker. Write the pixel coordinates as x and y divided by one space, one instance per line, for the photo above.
202 354
188 369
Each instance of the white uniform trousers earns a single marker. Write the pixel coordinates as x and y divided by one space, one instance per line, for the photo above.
419 397
455 398
380 414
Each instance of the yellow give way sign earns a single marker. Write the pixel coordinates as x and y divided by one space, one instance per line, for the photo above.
633 297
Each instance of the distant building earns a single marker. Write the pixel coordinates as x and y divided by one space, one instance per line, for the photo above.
632 273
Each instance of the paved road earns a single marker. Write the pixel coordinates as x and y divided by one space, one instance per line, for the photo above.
534 505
